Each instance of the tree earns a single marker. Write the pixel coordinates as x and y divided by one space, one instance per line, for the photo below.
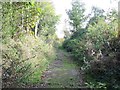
21 21
119 19
97 13
36 17
76 15
47 19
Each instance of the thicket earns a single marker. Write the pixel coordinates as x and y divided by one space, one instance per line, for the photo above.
95 47
106 71
28 38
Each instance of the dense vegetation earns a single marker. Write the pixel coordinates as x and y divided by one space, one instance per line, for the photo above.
29 45
28 37
95 47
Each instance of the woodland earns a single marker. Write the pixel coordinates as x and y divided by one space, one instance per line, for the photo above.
34 57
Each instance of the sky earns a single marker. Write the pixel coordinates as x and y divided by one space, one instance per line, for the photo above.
62 5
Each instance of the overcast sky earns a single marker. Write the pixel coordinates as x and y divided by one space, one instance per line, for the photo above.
62 5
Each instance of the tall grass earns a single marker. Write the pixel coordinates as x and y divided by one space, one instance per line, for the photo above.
24 60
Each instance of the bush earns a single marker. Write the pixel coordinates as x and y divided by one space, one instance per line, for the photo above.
107 70
25 60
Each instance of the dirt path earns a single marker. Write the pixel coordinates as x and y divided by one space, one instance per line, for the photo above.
62 73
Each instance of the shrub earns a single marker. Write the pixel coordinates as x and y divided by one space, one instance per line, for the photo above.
25 60
107 70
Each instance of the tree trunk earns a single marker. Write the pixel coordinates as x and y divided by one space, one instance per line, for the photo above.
36 27
119 19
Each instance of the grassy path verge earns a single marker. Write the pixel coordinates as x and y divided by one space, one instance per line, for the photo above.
62 73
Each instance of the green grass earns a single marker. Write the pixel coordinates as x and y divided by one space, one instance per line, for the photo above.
27 47
61 77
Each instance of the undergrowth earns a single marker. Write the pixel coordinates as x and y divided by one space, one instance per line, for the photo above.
24 60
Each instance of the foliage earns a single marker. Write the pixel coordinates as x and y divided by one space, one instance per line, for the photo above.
48 20
76 15
24 56
86 46
24 61
22 16
107 69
